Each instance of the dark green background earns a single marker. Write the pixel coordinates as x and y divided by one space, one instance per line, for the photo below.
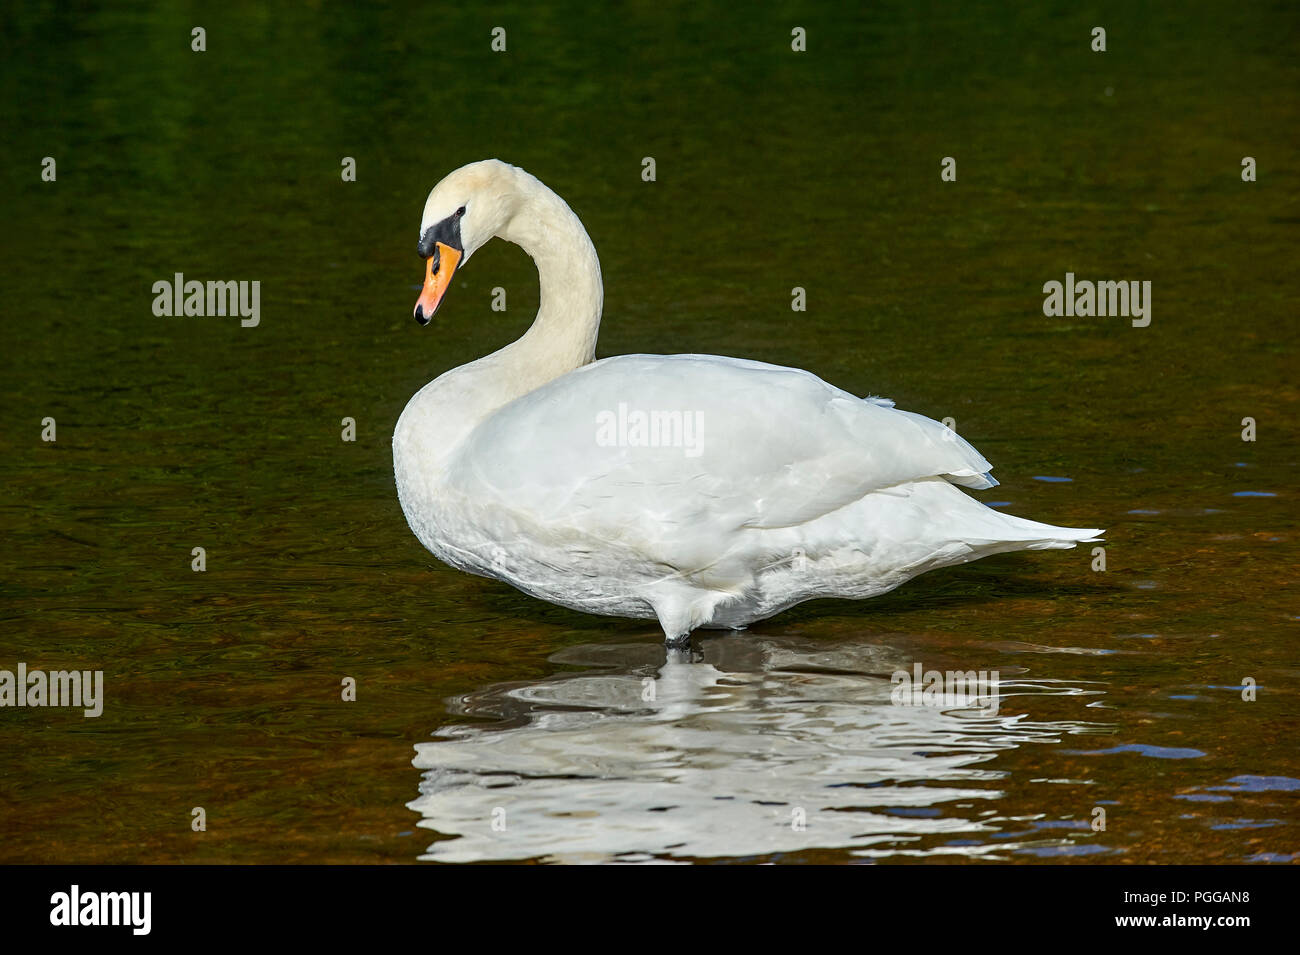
775 169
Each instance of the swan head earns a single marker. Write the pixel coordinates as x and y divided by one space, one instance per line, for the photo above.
463 211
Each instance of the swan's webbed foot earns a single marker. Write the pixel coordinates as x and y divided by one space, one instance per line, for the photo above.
680 642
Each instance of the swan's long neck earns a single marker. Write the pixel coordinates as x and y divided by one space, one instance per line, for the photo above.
563 335
561 338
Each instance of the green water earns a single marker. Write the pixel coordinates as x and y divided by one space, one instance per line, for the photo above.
774 169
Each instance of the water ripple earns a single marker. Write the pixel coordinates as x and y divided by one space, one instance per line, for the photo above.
762 748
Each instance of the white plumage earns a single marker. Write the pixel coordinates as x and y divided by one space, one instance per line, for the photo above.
755 486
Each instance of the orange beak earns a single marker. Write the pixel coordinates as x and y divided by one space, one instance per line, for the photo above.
437 279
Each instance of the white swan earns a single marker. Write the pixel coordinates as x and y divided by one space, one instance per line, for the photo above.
573 479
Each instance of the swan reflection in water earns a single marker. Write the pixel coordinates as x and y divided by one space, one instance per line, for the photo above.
749 746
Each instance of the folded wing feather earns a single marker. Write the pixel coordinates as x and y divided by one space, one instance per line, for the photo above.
777 447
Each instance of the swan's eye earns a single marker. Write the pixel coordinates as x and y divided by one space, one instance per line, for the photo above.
460 212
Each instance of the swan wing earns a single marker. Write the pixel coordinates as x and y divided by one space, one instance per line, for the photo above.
754 446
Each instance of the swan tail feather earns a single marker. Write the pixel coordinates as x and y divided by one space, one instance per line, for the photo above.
1033 535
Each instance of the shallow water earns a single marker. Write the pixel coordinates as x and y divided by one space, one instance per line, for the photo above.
1120 689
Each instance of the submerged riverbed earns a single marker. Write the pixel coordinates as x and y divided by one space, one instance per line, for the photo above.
1126 689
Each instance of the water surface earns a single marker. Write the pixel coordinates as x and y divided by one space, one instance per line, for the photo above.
775 169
